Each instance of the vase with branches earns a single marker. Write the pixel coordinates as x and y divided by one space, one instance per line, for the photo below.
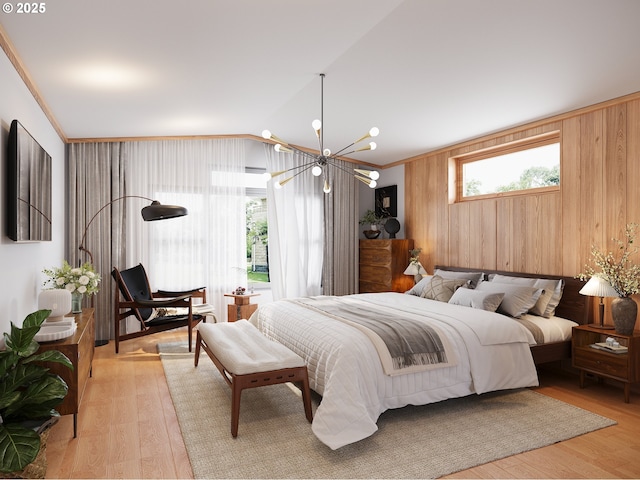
617 268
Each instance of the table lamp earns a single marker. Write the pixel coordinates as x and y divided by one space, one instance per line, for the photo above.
598 287
417 270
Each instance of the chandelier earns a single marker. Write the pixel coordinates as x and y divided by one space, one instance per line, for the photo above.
318 163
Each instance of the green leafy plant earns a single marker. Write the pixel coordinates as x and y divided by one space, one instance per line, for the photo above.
370 218
28 392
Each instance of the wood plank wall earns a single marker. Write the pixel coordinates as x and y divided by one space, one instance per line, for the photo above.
546 233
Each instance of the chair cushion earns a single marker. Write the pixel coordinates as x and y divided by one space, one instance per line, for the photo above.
242 349
163 319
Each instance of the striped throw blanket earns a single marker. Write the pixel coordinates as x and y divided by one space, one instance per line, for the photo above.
402 343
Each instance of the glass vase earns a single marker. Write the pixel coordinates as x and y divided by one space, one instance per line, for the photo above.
76 302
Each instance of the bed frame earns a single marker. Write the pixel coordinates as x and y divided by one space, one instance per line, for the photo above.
572 306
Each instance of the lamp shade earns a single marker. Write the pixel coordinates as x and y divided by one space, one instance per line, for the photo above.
157 211
415 269
598 287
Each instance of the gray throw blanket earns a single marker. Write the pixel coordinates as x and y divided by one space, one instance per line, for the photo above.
409 342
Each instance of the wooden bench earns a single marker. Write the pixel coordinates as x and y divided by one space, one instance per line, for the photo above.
248 359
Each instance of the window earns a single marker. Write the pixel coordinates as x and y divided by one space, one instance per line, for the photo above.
532 164
257 229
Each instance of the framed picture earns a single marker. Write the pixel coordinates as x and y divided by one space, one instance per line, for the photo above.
386 201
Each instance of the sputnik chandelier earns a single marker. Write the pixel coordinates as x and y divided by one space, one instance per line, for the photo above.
319 163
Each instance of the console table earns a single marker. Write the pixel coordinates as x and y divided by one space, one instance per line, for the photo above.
79 348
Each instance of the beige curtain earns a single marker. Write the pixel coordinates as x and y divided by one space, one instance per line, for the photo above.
340 267
95 178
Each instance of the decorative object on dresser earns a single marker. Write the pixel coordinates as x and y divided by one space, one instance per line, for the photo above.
30 393
622 274
593 352
392 226
373 221
58 300
597 287
382 265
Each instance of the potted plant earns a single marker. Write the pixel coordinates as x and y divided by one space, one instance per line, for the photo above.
370 218
28 393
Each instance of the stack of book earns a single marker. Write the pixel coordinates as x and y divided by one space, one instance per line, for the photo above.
609 348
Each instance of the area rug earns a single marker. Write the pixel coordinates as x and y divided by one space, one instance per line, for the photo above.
275 440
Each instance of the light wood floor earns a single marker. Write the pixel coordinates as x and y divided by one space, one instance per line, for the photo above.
127 427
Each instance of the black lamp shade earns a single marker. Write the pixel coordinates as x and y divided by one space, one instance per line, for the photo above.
157 211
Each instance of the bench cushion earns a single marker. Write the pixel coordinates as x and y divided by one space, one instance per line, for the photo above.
242 349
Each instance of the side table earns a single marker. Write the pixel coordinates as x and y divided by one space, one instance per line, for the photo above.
623 367
79 348
241 306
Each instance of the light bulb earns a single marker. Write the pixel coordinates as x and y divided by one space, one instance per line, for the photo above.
373 145
373 184
326 152
266 134
374 175
316 171
374 132
316 124
277 185
278 148
266 176
327 187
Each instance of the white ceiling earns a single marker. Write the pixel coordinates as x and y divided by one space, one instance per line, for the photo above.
428 73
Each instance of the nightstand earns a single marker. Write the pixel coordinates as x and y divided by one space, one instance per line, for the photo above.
624 367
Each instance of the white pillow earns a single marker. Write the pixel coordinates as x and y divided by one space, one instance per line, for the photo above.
474 277
548 301
477 299
517 300
419 287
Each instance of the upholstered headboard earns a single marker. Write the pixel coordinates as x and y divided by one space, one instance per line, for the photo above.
572 305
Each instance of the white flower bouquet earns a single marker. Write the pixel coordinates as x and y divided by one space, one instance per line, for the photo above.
82 279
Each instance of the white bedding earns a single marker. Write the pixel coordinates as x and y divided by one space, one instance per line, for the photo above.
345 369
554 329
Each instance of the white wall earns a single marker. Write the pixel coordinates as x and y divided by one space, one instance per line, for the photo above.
388 177
21 264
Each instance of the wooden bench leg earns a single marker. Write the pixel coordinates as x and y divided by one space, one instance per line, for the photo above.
196 356
236 392
306 397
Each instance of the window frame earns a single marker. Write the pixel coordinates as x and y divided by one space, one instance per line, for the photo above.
458 161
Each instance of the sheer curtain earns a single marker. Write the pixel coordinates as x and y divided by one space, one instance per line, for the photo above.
205 248
296 225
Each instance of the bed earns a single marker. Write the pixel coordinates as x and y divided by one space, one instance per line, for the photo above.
481 351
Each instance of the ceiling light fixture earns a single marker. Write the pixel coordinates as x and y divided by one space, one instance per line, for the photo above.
319 163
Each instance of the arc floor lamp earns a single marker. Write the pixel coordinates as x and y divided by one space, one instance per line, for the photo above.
154 211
